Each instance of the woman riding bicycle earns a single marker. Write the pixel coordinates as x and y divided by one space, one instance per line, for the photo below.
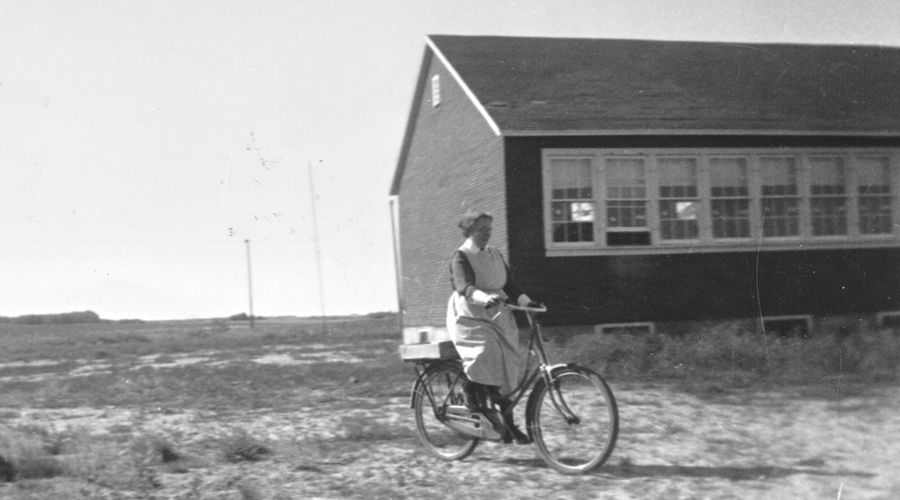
485 336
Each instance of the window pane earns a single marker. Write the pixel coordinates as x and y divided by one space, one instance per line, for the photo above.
572 180
626 214
730 209
829 216
780 203
626 193
731 218
779 176
873 175
573 221
828 202
678 206
677 176
678 220
729 177
781 216
875 215
827 176
625 178
873 183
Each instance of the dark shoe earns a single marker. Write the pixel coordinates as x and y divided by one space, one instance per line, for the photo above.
513 433
474 395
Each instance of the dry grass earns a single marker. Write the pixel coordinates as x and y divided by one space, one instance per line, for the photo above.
143 368
239 446
736 357
125 362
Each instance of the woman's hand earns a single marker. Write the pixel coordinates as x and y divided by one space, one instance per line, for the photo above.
493 300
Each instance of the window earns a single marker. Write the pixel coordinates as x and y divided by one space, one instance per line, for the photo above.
828 196
873 184
626 202
573 205
780 200
730 197
662 201
679 199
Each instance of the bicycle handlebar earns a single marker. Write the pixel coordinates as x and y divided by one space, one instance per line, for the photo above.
517 307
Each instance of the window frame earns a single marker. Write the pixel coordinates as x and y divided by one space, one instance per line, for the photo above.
705 242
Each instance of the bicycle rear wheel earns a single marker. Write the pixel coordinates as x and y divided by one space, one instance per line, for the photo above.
441 386
574 421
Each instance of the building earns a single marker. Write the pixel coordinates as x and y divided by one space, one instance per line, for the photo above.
649 181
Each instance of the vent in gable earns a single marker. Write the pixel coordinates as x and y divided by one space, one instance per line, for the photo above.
435 90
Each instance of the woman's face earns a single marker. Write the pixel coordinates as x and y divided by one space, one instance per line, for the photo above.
481 232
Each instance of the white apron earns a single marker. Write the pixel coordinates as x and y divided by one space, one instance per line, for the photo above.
488 342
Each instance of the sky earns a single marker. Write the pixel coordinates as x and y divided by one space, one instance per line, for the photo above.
144 143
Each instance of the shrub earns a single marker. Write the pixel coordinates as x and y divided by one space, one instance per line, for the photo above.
58 319
39 467
7 470
239 446
730 350
244 317
24 455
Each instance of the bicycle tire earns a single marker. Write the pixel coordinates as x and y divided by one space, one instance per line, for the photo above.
443 442
573 446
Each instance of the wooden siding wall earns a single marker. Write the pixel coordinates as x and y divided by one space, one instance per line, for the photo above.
455 163
679 287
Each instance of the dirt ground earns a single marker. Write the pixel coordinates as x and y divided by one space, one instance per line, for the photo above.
739 445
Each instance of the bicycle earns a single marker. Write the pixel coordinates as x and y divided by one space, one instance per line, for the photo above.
571 413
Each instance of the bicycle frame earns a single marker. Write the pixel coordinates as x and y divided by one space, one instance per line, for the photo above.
571 413
543 370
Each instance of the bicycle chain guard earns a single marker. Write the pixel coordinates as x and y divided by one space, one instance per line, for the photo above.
486 424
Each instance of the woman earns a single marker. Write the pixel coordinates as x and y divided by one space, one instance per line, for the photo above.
487 338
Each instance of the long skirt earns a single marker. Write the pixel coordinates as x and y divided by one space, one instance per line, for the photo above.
488 343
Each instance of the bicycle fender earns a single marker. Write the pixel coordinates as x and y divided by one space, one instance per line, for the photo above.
552 369
419 381
532 398
412 395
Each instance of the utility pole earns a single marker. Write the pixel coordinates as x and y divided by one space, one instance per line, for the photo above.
312 198
249 282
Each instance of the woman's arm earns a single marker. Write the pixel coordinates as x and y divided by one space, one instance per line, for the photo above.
462 276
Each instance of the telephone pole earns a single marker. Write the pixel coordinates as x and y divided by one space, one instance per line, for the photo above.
249 282
312 197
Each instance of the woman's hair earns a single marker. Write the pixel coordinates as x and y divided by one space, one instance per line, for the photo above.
470 218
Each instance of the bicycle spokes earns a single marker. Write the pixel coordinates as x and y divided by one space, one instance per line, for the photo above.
574 420
440 387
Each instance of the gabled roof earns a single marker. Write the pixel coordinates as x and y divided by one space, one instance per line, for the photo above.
579 86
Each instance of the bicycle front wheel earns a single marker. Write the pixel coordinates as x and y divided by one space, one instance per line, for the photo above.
441 386
574 420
